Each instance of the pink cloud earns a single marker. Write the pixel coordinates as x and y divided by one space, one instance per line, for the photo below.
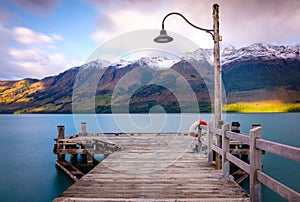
241 22
27 36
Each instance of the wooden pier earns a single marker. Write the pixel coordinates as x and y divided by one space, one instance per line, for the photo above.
166 167
159 168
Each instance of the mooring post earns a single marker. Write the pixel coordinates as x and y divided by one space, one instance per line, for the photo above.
61 135
255 164
225 149
254 125
61 132
83 128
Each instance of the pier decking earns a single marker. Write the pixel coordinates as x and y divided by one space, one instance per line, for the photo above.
155 168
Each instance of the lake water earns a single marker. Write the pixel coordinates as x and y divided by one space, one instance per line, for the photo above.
28 170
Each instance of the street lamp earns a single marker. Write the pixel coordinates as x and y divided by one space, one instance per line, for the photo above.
164 38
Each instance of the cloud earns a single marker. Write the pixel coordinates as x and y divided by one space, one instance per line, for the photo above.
30 52
241 22
120 16
28 36
33 63
27 53
131 20
36 7
245 22
145 6
37 62
263 21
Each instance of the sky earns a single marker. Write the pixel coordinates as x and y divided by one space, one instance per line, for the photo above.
40 38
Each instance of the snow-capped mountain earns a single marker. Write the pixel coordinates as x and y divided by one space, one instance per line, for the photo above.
261 51
121 63
156 63
228 54
250 74
101 64
258 50
199 55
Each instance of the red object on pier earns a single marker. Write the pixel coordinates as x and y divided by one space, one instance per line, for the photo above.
194 125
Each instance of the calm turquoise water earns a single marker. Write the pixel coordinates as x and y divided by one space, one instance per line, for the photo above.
27 162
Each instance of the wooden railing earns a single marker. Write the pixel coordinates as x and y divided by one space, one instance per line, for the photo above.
254 168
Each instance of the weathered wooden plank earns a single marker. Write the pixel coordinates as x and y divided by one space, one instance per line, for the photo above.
164 169
286 151
186 184
238 162
70 174
154 194
239 151
238 137
216 131
121 199
172 189
278 187
216 149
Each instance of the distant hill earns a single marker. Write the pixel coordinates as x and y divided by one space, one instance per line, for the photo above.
252 75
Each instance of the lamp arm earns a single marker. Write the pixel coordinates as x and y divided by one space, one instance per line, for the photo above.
210 31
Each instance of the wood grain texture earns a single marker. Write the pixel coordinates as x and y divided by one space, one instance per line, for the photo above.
154 169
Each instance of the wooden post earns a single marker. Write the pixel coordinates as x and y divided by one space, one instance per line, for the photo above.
90 158
61 135
219 144
225 148
209 142
73 157
255 164
217 69
61 132
217 78
83 128
199 142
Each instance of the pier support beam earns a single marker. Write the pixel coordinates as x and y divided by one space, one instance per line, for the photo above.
73 157
61 135
83 129
61 132
90 159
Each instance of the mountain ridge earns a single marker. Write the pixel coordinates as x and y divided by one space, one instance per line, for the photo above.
255 73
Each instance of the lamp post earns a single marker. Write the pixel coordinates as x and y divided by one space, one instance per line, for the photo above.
164 38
